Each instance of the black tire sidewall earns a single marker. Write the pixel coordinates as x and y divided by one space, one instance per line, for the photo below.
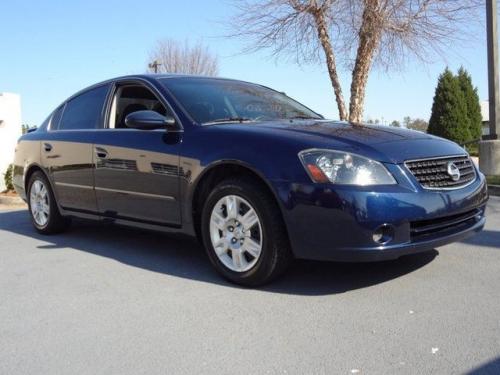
266 262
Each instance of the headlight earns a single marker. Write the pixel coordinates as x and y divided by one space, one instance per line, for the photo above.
344 168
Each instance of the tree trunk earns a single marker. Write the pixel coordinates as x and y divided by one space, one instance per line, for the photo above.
324 38
369 39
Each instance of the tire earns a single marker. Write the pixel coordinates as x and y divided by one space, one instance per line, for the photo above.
42 205
247 254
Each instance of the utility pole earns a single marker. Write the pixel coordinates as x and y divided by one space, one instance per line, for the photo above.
489 148
492 40
154 65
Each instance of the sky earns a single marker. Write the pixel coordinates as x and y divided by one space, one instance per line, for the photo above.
51 49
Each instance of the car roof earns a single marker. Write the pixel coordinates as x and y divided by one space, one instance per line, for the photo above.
152 77
158 76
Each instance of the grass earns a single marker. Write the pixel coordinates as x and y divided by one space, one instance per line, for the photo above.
493 180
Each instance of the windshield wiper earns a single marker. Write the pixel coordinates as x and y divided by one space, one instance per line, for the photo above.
229 119
303 117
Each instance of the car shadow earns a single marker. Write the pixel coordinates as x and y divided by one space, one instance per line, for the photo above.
489 368
488 238
183 257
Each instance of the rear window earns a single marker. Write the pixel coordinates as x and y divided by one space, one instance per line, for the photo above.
84 111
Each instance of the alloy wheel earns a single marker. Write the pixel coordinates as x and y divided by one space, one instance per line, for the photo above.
39 203
236 233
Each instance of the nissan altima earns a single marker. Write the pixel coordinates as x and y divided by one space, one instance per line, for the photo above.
259 178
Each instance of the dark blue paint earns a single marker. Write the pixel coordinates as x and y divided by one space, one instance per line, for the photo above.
324 221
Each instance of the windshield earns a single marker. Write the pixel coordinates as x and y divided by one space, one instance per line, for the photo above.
213 100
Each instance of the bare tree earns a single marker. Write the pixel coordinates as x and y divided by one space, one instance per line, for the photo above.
358 32
170 56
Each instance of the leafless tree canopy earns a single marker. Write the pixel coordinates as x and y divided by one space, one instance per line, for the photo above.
175 57
356 33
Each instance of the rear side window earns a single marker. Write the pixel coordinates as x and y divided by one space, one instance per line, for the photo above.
56 117
84 111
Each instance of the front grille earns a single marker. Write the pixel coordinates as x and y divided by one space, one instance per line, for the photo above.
433 173
457 221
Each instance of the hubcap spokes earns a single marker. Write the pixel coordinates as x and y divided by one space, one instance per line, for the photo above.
236 233
39 203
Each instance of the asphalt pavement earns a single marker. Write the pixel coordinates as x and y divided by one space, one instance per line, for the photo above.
103 299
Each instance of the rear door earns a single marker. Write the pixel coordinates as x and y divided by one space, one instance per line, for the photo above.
137 171
67 151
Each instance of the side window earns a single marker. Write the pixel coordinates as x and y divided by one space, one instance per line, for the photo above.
84 111
45 124
133 98
56 117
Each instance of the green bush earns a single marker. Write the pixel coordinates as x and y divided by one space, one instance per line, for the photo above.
472 103
456 112
473 149
449 111
493 180
7 176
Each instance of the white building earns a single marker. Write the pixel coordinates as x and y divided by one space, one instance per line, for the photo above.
10 130
485 113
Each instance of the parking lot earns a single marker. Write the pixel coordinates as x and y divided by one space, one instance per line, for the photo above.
102 299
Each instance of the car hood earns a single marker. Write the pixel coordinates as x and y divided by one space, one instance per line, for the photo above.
345 131
383 143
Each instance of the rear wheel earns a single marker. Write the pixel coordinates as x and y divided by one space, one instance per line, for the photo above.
244 233
45 214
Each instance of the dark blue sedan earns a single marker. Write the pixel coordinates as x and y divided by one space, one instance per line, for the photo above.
259 178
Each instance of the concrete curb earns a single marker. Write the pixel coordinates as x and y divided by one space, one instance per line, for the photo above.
11 201
494 190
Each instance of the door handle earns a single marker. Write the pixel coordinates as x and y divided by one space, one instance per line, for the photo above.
47 147
101 153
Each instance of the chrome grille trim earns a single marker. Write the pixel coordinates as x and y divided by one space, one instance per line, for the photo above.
431 173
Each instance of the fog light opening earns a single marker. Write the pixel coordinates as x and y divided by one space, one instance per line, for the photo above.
383 234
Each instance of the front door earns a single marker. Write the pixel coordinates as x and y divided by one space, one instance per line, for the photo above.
137 171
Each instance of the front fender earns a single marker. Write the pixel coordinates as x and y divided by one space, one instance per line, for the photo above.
207 148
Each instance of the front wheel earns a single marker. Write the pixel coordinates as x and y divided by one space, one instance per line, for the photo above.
243 232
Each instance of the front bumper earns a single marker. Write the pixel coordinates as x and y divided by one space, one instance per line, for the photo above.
371 254
337 223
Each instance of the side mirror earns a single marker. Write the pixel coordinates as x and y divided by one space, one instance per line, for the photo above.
148 120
